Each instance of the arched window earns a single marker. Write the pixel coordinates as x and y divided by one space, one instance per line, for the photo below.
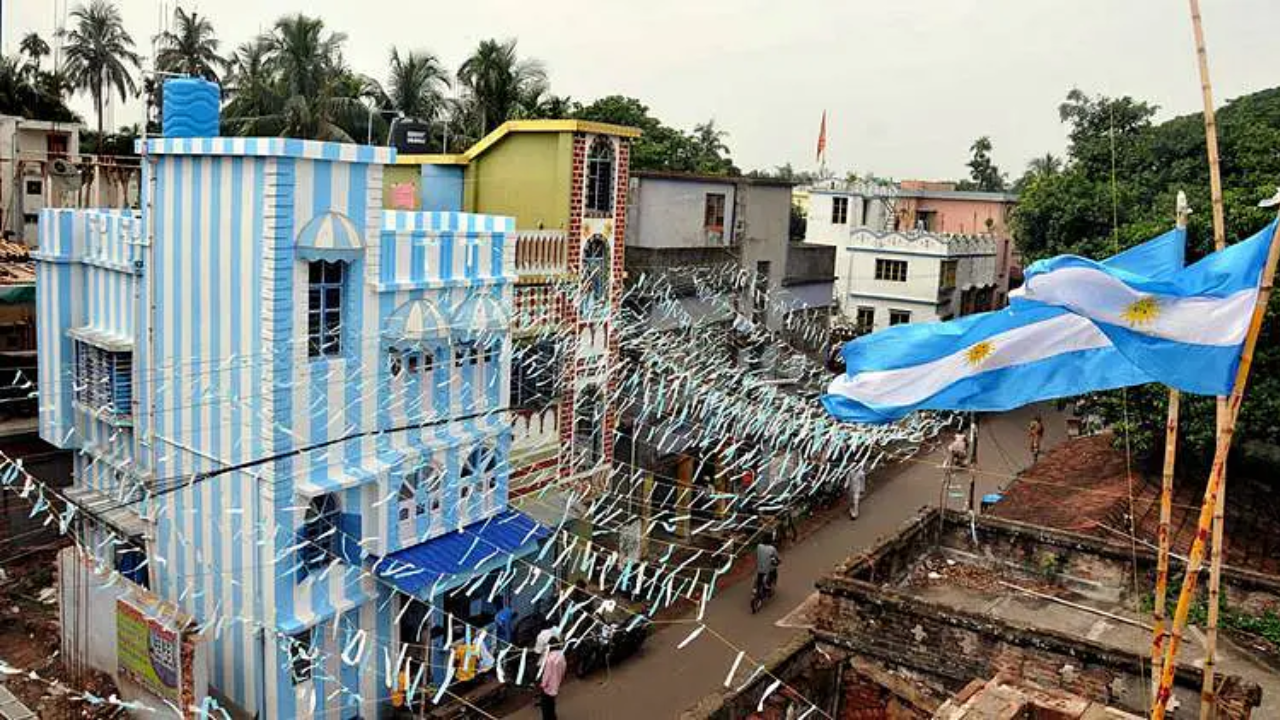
480 464
600 176
595 274
588 428
319 533
419 490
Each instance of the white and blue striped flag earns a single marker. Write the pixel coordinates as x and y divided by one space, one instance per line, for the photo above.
1185 331
992 361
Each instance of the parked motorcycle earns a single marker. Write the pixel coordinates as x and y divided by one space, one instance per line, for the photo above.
608 643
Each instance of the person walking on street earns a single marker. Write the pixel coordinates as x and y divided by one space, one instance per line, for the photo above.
1035 434
958 451
553 667
857 484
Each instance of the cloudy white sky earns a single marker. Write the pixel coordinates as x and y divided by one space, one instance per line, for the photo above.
907 85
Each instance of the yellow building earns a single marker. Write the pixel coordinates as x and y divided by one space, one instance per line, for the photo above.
565 182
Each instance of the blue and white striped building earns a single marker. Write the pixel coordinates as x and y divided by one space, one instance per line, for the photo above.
279 391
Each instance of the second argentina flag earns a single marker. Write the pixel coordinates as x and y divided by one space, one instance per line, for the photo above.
1185 330
992 361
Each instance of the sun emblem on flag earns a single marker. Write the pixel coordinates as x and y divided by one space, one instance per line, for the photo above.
1143 312
978 353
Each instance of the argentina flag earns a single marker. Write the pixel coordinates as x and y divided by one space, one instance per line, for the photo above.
1184 330
992 361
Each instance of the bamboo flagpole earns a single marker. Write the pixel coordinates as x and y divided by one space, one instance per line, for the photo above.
1158 632
1196 557
1207 691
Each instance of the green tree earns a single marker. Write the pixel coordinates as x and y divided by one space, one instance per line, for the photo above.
191 48
1072 212
34 47
498 85
33 93
416 85
983 172
294 82
249 88
99 54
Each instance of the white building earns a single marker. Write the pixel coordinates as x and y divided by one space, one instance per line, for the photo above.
834 209
890 278
677 222
28 182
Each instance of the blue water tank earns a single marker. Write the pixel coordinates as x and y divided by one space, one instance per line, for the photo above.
191 107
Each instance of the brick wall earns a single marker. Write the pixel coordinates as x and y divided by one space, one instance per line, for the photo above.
859 610
807 673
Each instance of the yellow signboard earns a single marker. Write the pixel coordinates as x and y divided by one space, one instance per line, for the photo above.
148 653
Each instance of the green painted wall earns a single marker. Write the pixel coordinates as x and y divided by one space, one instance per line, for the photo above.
525 175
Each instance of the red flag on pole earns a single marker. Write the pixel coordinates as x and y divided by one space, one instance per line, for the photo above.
822 137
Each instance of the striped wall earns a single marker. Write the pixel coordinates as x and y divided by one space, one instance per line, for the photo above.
211 289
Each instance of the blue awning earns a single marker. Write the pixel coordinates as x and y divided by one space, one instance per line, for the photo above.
430 568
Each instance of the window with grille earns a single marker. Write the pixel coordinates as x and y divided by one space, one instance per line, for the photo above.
104 381
481 463
891 270
588 428
839 210
899 317
948 279
595 270
324 308
535 374
402 362
713 215
419 492
319 535
866 319
301 655
600 176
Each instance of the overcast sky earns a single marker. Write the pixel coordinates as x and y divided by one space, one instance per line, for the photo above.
907 85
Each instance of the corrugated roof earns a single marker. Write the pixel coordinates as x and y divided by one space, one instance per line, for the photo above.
466 553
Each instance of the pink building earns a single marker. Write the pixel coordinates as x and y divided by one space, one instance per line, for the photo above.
940 208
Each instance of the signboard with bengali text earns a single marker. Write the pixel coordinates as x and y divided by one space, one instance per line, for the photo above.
148 653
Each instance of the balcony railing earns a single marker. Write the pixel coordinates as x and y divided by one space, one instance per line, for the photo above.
541 253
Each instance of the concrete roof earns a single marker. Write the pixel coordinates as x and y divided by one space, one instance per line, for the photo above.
518 126
701 177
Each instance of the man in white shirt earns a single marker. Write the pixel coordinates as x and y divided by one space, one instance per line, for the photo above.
545 637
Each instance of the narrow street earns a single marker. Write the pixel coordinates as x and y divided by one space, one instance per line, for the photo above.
663 681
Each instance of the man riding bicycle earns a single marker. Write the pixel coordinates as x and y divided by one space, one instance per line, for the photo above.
767 562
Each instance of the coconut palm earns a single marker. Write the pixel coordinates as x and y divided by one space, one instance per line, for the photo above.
1046 165
498 84
34 47
99 52
415 86
191 48
293 82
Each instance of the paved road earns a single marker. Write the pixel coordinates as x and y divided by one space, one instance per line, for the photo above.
663 681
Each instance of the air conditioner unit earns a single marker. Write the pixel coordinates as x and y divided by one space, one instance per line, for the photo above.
64 183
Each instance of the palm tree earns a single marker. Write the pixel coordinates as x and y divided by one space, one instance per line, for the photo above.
293 83
99 52
1046 165
190 49
34 47
498 84
415 86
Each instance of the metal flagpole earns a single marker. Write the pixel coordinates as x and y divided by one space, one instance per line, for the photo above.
1196 557
1207 692
1159 634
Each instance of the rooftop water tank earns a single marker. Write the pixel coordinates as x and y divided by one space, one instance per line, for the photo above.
191 108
